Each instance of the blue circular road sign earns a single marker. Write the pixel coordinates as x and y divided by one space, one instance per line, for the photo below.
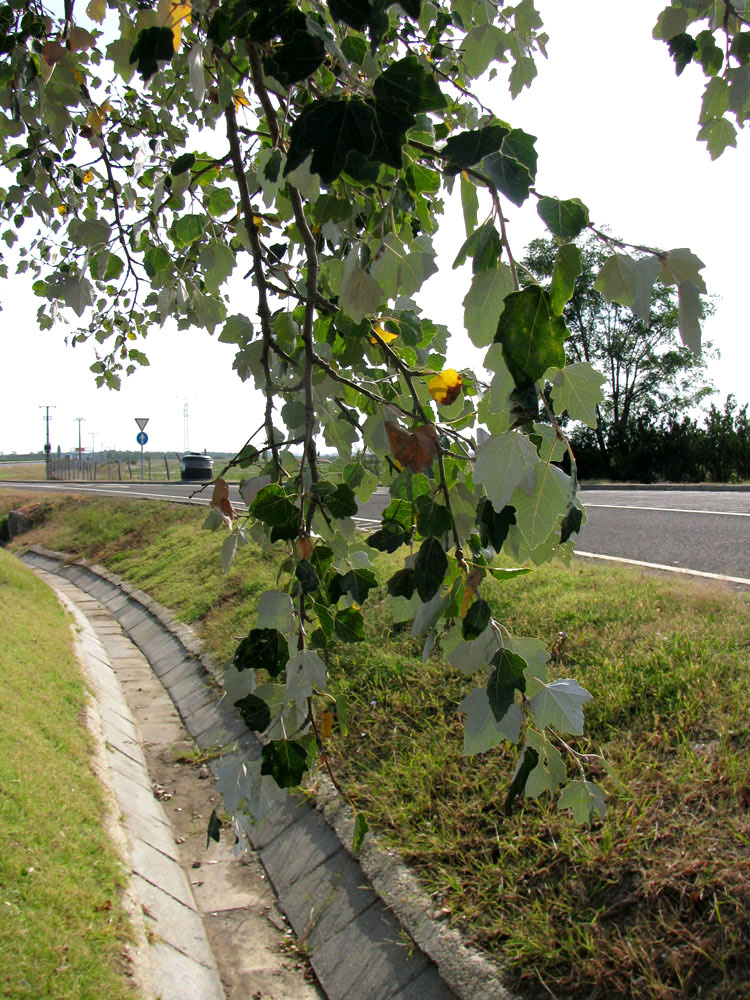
142 438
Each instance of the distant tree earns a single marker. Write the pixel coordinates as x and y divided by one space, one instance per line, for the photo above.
649 371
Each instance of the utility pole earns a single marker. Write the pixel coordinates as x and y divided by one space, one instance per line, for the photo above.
80 449
48 446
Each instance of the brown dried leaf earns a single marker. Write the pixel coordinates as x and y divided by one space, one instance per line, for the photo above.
415 451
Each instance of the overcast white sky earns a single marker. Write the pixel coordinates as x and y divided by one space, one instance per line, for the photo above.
615 128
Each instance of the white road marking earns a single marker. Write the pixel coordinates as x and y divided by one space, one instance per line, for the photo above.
667 569
670 510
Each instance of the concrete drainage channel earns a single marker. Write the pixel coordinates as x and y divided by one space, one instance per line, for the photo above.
368 929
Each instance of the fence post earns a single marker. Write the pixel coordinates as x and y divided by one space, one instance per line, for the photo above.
119 470
149 468
130 468
166 465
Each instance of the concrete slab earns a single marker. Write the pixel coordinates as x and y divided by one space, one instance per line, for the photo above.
137 801
427 986
153 832
173 922
368 958
302 848
292 810
320 904
178 977
160 869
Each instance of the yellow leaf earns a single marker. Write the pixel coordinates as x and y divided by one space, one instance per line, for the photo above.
173 15
88 177
326 725
445 387
97 117
131 336
96 10
258 223
240 100
384 335
62 209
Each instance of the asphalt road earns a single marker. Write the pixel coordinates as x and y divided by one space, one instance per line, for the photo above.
699 531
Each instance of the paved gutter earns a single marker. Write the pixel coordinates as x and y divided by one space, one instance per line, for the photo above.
369 930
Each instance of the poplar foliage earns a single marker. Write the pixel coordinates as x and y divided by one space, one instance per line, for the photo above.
275 173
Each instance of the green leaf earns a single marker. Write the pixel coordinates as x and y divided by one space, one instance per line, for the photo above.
407 82
264 648
682 265
672 21
585 799
341 502
273 506
331 128
432 518
484 246
430 567
213 831
577 390
549 772
481 46
682 48
469 203
355 13
505 463
305 673
521 75
494 526
402 584
219 201
358 583
217 262
359 294
353 47
558 704
152 46
296 59
476 619
484 302
568 266
482 731
513 169
506 678
537 514
389 537
467 148
360 829
88 232
718 134
255 713
690 313
349 625
526 764
564 219
186 229
571 523
306 575
237 330
285 761
156 260
715 99
182 163
531 334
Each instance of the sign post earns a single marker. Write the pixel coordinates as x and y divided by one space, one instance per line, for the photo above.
141 438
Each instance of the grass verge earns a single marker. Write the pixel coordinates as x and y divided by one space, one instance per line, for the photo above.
62 927
652 903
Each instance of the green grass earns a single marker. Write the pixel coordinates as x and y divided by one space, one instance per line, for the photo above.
30 471
654 901
62 927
